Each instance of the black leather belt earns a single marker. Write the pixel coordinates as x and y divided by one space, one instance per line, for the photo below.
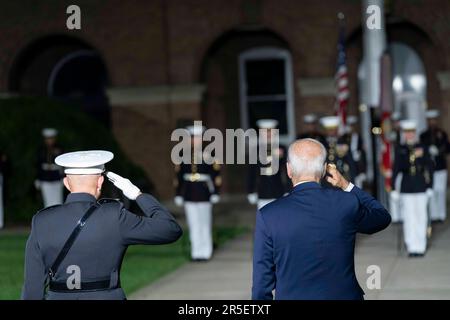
85 286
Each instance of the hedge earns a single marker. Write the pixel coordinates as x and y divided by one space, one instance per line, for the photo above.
21 123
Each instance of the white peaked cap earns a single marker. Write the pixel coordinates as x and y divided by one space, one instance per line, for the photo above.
408 125
196 130
84 162
395 116
49 132
330 122
352 120
309 118
430 114
267 123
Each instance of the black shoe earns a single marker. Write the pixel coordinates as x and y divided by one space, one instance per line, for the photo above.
199 260
416 255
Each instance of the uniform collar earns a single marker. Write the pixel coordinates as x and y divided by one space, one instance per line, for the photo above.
307 185
80 197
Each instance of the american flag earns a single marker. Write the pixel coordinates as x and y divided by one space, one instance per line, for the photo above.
341 78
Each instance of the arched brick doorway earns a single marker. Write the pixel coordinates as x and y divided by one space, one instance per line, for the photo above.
65 68
221 105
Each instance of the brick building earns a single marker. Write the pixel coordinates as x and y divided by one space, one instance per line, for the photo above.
166 61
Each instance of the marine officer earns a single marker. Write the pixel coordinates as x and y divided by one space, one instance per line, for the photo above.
413 160
338 150
311 130
49 179
439 147
197 186
267 179
356 145
394 200
77 247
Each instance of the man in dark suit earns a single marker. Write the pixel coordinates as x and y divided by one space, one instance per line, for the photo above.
304 242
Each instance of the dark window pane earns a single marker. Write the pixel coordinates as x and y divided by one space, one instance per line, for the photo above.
265 77
268 110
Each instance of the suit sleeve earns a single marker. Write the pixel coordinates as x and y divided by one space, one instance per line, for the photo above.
35 271
157 226
263 262
371 216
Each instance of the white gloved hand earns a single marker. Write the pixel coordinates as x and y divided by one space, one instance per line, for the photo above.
214 198
37 184
434 151
178 201
252 198
394 195
129 190
430 193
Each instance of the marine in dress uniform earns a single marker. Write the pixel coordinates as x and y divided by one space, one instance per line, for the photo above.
264 185
49 179
310 122
355 142
412 159
338 149
197 185
439 147
394 200
77 247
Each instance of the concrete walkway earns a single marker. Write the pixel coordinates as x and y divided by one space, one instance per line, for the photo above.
228 274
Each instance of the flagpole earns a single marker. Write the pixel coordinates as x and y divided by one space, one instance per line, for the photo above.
374 45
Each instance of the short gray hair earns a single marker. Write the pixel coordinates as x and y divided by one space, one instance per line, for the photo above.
305 164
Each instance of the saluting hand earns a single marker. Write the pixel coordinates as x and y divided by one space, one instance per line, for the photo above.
335 178
129 190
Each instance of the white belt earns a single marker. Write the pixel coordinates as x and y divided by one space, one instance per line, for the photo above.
199 177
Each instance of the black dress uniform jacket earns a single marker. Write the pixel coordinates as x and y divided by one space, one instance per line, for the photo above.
438 138
417 167
269 186
46 167
100 247
190 180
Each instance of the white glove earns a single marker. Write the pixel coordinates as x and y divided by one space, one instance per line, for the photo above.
430 193
434 151
252 198
394 195
214 198
129 190
178 201
37 184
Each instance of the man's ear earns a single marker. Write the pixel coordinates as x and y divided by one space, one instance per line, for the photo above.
324 172
66 183
289 170
100 182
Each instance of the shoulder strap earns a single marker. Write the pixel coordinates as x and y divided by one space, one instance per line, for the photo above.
69 242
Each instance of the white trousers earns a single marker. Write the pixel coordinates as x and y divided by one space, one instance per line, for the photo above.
1 202
199 219
262 202
415 219
438 204
394 204
52 192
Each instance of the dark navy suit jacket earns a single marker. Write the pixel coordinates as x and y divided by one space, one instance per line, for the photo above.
304 243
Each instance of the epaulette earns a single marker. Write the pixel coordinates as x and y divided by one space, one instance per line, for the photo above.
108 200
47 208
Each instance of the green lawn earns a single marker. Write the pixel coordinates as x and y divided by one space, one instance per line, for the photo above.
142 264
